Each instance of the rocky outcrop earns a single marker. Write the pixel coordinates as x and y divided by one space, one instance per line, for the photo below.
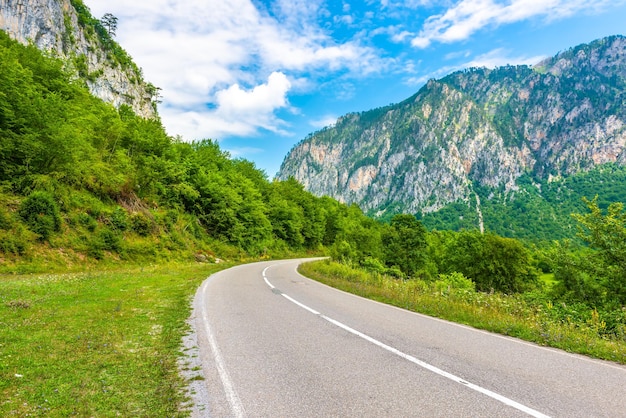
53 26
475 128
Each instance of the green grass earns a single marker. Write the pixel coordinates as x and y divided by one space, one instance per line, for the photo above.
100 343
531 317
548 280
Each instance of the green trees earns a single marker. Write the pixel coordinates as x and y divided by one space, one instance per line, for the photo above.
597 275
109 21
491 261
404 244
110 176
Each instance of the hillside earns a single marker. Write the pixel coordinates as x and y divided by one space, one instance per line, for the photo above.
66 29
82 182
511 149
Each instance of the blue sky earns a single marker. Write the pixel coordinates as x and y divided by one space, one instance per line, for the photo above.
259 75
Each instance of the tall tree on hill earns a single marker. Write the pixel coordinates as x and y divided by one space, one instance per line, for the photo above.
109 21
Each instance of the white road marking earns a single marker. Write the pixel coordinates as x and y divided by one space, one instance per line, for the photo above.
490 334
414 360
233 399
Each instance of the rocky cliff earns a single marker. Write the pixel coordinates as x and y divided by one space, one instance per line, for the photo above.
477 128
67 30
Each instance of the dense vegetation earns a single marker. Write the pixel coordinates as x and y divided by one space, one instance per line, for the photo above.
539 211
85 185
516 147
81 181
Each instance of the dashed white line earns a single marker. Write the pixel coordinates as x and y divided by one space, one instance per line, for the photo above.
412 359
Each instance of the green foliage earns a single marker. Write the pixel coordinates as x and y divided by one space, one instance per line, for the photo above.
41 213
453 280
404 244
492 262
597 276
105 31
119 180
15 241
119 219
531 316
5 220
141 224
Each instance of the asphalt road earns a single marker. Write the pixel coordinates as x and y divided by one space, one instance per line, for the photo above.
275 344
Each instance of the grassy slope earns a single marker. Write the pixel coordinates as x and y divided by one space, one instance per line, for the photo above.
536 321
95 343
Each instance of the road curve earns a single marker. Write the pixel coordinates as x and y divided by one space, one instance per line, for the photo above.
276 344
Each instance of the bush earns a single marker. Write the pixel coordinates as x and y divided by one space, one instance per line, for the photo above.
87 221
13 242
119 219
453 280
41 213
141 224
110 240
5 220
105 240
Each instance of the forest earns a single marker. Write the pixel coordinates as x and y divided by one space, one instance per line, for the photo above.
83 184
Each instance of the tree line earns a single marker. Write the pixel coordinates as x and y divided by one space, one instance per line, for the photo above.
78 175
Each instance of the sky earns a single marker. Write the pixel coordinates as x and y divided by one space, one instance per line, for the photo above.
258 76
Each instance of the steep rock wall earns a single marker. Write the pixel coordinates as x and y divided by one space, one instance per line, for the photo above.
53 26
474 128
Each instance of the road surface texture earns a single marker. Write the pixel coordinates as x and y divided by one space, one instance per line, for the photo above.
273 343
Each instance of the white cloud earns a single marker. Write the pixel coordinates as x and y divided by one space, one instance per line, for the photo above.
237 111
468 16
498 57
328 120
495 58
212 58
257 104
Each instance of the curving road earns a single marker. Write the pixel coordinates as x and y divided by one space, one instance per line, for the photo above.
276 344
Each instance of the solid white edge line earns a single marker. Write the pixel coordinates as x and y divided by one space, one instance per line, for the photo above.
516 340
427 366
231 395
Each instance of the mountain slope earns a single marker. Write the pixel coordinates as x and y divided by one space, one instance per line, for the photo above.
474 130
66 29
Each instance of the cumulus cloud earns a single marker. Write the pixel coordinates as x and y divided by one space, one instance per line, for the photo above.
468 16
224 66
495 58
236 111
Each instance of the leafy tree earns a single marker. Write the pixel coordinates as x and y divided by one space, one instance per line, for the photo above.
605 232
575 273
491 261
110 23
404 243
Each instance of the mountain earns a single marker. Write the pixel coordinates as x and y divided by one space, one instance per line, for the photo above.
478 138
66 29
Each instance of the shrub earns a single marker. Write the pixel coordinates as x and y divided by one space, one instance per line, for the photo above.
87 221
5 220
141 224
41 213
110 240
119 219
13 242
453 280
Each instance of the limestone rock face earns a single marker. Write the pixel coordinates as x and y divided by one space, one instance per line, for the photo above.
53 26
474 128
